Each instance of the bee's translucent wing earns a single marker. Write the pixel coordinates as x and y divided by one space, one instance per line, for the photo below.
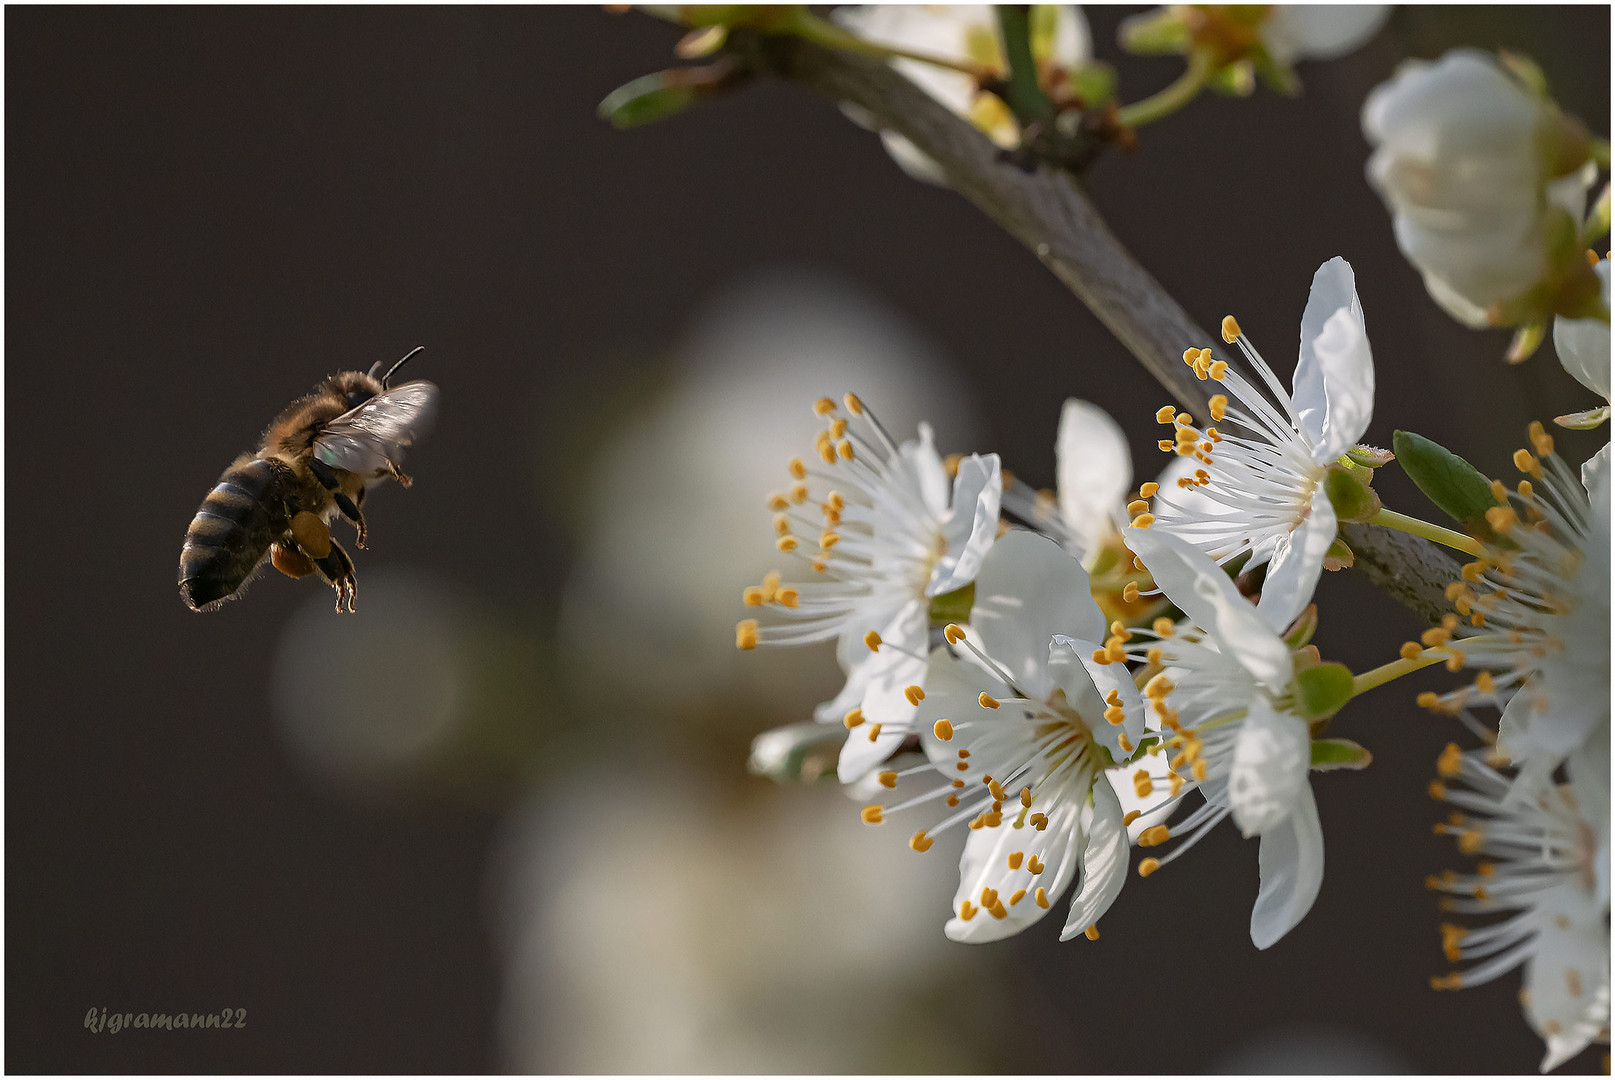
369 439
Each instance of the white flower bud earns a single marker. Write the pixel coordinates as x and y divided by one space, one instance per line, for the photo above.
1583 344
1295 32
1464 156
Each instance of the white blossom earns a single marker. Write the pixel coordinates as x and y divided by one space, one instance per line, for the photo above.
887 540
1540 849
1583 348
1022 731
1262 481
1294 32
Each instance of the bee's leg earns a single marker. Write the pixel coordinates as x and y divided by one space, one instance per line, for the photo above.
337 568
350 510
290 561
399 475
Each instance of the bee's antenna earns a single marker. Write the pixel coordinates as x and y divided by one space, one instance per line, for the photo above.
387 378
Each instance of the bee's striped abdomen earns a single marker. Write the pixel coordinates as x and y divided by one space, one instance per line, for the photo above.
231 533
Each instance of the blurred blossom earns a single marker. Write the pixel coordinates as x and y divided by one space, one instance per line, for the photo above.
1239 41
652 923
414 691
678 521
1294 32
966 33
1482 174
1311 1050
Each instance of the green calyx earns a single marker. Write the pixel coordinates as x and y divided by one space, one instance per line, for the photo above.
1329 754
953 607
1322 689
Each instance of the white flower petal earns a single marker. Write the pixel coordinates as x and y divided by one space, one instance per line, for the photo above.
1269 772
1320 31
1093 471
1196 585
1334 379
1291 863
1029 590
1108 679
1104 863
920 459
1567 975
1595 475
1292 572
985 865
972 525
892 671
952 688
1154 808
1072 676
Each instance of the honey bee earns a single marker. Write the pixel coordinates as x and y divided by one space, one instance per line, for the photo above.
314 462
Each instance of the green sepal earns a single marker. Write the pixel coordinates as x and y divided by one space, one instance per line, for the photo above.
1094 84
1369 457
953 607
1330 754
1301 630
1583 421
1525 69
1596 227
1447 480
650 98
1322 689
1350 494
1340 556
1233 80
1525 342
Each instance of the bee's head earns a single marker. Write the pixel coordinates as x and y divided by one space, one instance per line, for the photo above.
354 387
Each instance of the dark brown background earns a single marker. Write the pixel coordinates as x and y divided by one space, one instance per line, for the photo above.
209 209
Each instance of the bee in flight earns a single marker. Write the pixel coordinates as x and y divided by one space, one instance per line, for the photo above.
314 462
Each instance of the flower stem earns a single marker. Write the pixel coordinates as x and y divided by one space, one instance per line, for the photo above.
1368 680
1170 99
1599 150
1455 540
1023 95
810 27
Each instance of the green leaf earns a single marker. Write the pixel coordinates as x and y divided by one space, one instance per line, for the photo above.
1447 480
1330 754
1351 495
953 607
1320 691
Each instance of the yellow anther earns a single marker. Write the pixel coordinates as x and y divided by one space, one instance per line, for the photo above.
824 406
1524 462
1437 790
872 640
799 494
1165 413
874 732
1148 867
1217 371
1166 445
1469 842
1092 933
853 718
752 596
788 598
1015 858
987 701
997 789
888 779
746 634
1041 897
1035 866
1130 592
1115 714
1485 683
920 842
1540 439
798 469
1184 420
1163 627
838 427
1026 797
1450 761
1446 982
1137 506
853 404
1435 637
1502 518
1124 742
1154 835
914 694
1592 257
989 897
828 540
786 543
1525 489
1131 816
1410 650
1101 656
954 633
967 910
1143 521
1499 490
1039 822
1191 355
997 911
844 448
1017 897
943 730
872 814
827 451
1230 329
1219 406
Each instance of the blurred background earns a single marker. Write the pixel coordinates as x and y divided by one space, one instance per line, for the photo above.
500 819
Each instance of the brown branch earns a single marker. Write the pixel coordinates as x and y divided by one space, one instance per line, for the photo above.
1046 210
